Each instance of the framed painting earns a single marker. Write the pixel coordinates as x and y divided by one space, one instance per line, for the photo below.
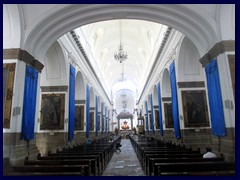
91 121
8 83
195 108
150 119
52 112
79 117
156 119
99 120
168 115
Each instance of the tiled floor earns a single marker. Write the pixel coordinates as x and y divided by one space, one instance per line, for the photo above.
124 163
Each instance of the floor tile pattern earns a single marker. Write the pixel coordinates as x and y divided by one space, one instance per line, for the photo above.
124 163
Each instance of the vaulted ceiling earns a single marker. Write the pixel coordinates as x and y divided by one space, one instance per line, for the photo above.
141 41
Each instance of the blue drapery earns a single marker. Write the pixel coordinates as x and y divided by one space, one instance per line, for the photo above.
87 111
102 117
71 114
152 112
174 101
160 109
106 119
215 99
96 130
29 103
146 105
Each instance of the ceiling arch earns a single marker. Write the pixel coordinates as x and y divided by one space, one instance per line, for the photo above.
62 19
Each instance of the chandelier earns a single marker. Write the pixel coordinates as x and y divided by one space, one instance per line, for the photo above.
120 55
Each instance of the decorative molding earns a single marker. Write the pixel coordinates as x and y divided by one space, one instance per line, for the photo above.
92 108
22 55
216 50
166 99
192 84
53 88
155 107
72 60
80 101
75 37
166 36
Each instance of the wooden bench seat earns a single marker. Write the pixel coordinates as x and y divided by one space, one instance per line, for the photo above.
152 161
94 168
74 157
84 170
189 167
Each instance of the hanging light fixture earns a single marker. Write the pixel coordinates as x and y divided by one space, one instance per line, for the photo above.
120 55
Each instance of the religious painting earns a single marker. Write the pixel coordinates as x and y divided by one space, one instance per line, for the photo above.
91 121
125 124
79 117
168 115
8 83
195 108
150 119
52 112
99 120
156 119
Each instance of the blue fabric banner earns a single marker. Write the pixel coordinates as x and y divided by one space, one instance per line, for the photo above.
106 119
160 109
29 103
174 101
71 114
146 105
152 116
87 111
215 99
102 117
96 117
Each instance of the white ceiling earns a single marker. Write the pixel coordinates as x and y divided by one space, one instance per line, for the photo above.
140 39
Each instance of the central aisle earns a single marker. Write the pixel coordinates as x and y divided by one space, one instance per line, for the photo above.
124 163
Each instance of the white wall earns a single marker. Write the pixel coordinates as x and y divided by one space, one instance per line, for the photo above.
11 26
226 88
18 95
55 72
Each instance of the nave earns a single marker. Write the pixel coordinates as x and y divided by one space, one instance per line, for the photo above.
124 163
152 158
74 73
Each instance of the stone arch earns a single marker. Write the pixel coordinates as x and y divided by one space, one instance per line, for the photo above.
54 73
155 96
80 90
188 66
180 17
12 26
166 88
92 98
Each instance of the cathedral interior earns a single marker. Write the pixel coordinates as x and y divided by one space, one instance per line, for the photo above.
81 79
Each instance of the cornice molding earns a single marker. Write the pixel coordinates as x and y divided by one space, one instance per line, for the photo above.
22 55
192 84
216 50
54 88
75 37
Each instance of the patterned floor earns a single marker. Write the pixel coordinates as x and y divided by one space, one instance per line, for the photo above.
124 163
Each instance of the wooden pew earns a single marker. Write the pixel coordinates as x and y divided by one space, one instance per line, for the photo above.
81 154
74 157
175 154
83 170
152 161
94 169
191 167
169 156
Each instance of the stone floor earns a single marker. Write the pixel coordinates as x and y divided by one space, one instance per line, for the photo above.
124 163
